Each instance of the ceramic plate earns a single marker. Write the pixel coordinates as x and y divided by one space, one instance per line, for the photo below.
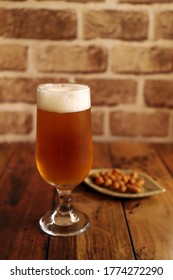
149 188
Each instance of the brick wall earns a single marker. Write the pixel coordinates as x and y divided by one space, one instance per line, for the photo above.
122 48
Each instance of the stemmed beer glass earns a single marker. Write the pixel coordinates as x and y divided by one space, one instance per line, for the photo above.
64 151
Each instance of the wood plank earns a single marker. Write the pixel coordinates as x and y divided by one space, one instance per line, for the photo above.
150 220
107 237
6 151
166 153
24 198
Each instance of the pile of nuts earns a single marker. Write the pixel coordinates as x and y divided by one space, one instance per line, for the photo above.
116 180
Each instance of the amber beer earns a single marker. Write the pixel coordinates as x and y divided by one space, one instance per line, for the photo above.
64 139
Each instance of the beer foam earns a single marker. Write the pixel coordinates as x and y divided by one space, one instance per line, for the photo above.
63 98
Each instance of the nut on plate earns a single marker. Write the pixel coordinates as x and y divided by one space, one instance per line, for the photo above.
117 180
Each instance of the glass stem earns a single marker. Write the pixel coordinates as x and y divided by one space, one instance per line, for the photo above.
65 198
64 214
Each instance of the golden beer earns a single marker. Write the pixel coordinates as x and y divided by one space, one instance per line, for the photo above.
64 146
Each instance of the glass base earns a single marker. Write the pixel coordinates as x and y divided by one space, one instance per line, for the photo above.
53 223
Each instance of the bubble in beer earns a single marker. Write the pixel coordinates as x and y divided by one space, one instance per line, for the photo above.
63 98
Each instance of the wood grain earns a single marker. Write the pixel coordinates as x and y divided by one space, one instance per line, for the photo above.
5 154
22 202
120 228
165 152
150 219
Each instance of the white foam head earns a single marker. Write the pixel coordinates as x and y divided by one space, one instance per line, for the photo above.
63 98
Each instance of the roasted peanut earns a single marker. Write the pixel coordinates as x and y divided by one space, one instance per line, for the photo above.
108 182
116 170
99 180
117 180
113 177
123 188
109 174
133 188
132 181
95 175
134 175
125 178
116 185
140 182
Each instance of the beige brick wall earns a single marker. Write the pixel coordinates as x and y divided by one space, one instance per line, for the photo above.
122 48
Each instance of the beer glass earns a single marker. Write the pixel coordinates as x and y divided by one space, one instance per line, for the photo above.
64 151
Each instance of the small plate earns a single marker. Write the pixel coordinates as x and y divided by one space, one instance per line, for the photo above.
149 188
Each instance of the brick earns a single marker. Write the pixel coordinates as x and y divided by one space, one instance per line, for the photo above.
164 25
145 1
38 23
15 122
116 24
13 57
97 122
71 58
140 59
111 92
139 123
22 89
159 93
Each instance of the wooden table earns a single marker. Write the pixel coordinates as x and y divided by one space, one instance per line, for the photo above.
120 228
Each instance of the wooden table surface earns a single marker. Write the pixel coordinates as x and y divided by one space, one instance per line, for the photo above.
120 228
